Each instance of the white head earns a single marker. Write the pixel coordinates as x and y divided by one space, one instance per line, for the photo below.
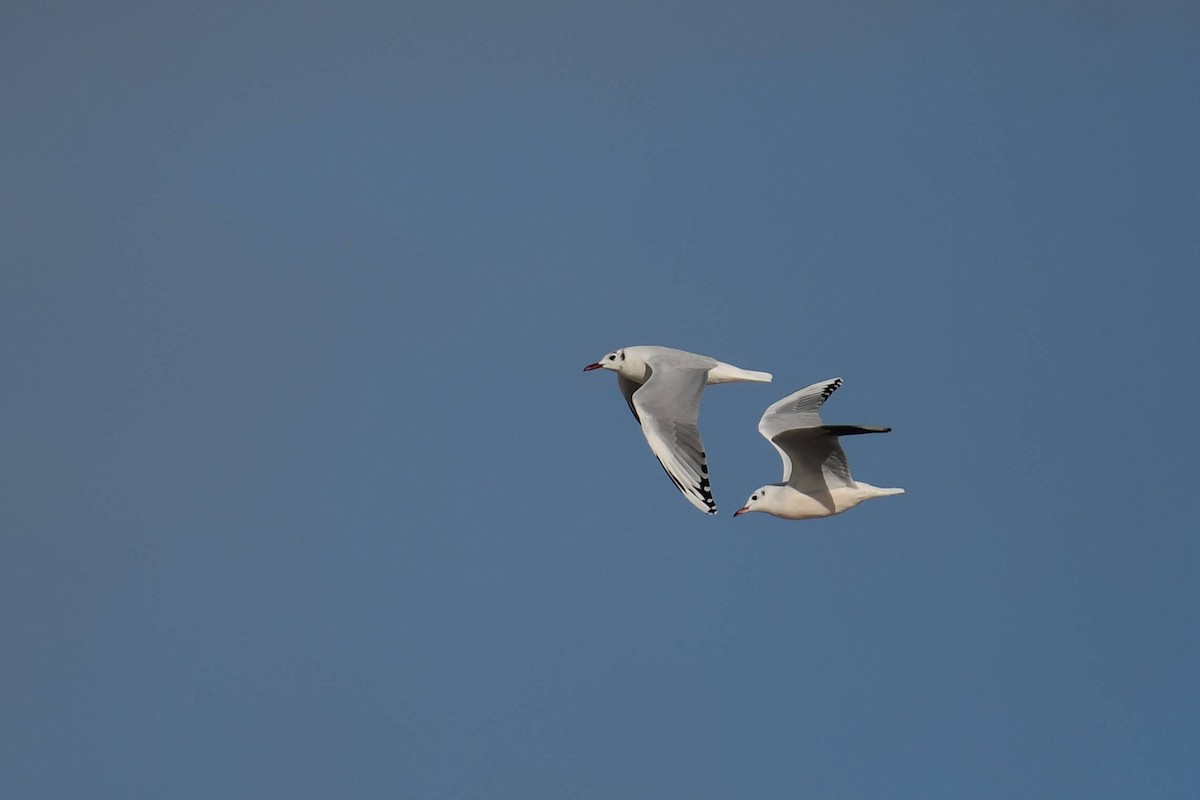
764 498
615 361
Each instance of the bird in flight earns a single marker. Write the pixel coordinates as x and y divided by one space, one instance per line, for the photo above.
662 387
816 476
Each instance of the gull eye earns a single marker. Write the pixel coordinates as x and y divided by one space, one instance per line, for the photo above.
612 358
753 497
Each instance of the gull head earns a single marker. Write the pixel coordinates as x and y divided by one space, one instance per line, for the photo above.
614 361
762 499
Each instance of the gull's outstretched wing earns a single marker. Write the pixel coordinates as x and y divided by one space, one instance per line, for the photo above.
668 406
799 411
813 459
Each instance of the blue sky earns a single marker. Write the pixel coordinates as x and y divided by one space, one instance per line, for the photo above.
306 495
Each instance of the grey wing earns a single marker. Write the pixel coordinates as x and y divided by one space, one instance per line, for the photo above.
837 468
799 409
813 460
668 406
797 412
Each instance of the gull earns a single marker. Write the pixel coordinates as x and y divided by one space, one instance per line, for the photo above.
816 476
662 387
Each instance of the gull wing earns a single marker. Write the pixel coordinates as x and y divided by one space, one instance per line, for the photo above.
797 412
814 460
668 406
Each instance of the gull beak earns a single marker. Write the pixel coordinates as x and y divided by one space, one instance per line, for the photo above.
591 367
741 511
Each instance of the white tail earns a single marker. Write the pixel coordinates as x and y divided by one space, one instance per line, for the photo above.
728 373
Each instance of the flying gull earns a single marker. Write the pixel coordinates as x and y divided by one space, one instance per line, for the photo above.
816 475
662 387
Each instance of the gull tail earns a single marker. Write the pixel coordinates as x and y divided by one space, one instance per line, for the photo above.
728 373
870 491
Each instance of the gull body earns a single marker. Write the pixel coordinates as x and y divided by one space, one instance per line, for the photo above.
663 386
816 476
781 500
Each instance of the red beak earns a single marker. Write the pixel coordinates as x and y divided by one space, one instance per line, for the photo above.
740 511
591 367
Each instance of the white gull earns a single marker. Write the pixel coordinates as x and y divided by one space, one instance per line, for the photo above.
662 387
816 475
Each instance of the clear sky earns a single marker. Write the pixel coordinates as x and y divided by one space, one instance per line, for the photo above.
305 494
